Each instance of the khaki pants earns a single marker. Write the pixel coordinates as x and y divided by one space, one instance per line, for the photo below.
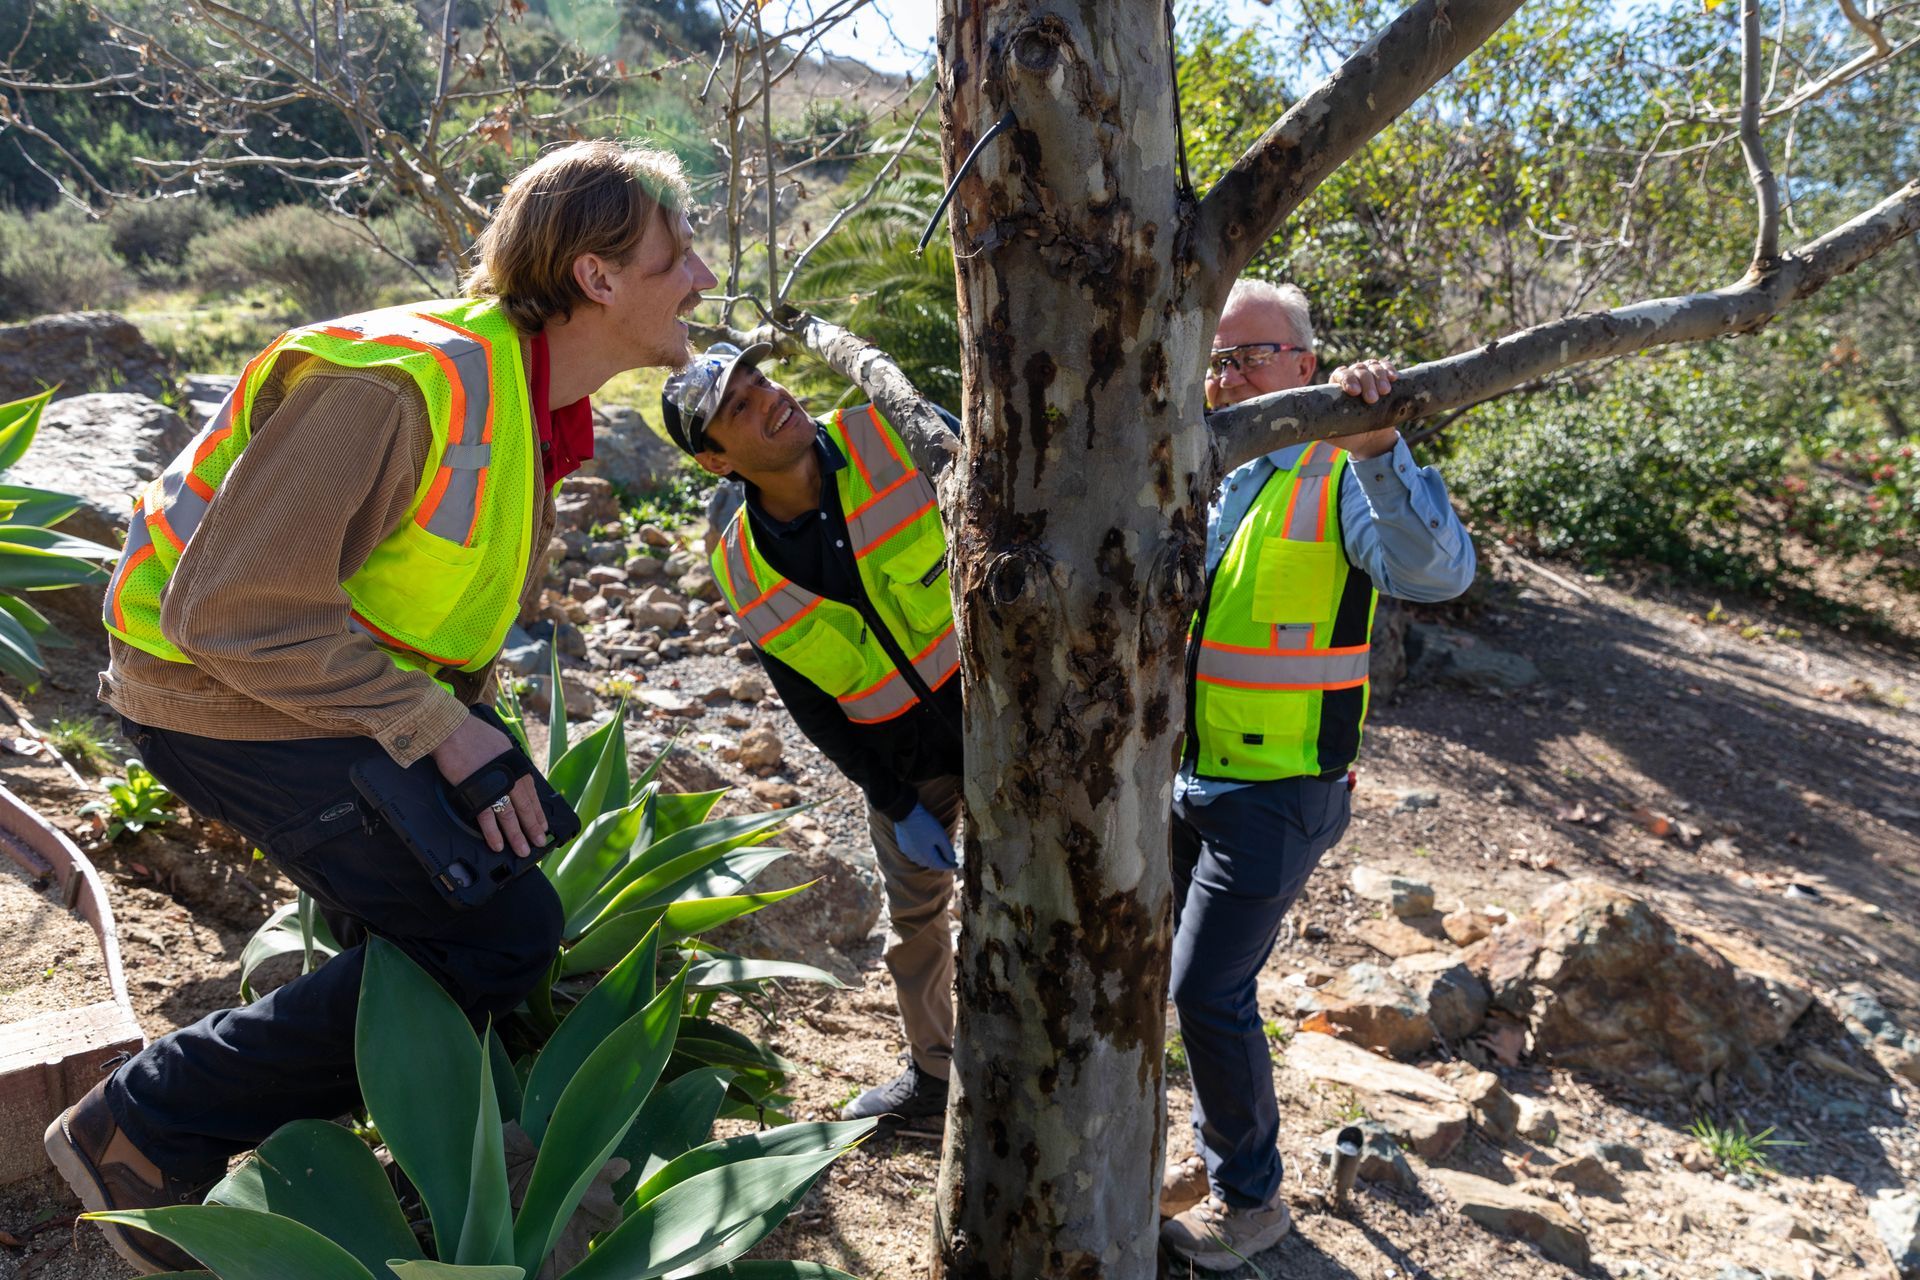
919 946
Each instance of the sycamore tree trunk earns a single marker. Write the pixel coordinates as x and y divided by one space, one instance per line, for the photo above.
1090 280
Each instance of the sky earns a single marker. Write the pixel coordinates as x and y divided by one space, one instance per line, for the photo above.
897 35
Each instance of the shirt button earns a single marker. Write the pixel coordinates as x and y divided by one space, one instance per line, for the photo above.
404 741
839 542
1379 475
1434 523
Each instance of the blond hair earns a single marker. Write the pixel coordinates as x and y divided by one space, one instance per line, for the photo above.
1291 302
593 197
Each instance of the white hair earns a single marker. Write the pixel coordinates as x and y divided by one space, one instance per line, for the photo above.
1290 301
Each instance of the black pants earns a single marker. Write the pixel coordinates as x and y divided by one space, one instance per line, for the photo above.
192 1099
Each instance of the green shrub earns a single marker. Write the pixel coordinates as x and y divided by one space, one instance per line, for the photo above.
831 128
153 236
322 266
57 260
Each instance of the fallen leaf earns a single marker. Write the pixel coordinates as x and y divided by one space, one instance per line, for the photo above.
1656 824
139 869
1318 1022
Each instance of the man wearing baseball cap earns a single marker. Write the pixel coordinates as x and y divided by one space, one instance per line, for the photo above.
836 568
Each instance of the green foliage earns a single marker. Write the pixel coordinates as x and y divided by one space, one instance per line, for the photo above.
134 803
828 128
83 742
1176 1054
58 260
681 499
294 928
32 556
1735 1149
313 1203
322 266
153 236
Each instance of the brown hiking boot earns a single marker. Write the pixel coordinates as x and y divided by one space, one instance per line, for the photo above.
1218 1237
1182 1186
108 1172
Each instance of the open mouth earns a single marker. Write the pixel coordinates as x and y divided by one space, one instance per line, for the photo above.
785 420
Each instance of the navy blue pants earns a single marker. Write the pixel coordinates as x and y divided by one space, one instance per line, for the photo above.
1238 864
192 1099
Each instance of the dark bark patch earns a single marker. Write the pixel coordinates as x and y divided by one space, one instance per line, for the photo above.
1040 372
1155 719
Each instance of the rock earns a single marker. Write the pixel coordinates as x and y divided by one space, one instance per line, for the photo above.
1770 992
81 352
1393 938
1407 897
747 689
103 449
580 589
579 699
654 536
596 608
1412 799
1623 1154
1615 990
760 748
629 453
657 616
1896 1220
522 655
1467 926
1869 1023
1387 651
1491 1106
683 562
606 554
1536 1122
775 795
682 770
1504 961
716 694
645 568
586 501
617 592
840 909
603 574
1457 1001
1418 1110
698 585
1831 1064
1587 1173
1513 1213
571 639
1373 1007
672 702
205 393
1381 1159
1442 654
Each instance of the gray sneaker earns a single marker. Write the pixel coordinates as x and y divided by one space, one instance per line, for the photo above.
1218 1237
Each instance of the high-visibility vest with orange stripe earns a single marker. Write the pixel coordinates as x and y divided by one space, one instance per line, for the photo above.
900 549
439 592
1279 657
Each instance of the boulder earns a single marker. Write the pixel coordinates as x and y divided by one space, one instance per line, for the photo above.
1387 652
698 584
1374 1007
523 655
838 911
206 392
1381 1159
1499 1208
1394 938
1491 1106
80 352
1616 990
1869 1023
1896 1220
1504 961
584 502
1468 925
645 568
657 615
1442 654
1771 993
1423 1113
1408 897
1589 1174
580 701
103 449
760 748
1537 1121
629 453
1457 1001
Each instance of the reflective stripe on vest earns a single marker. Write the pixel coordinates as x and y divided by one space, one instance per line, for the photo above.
769 606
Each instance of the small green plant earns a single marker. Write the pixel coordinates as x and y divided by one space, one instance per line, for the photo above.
1350 1112
133 803
1277 1031
84 742
1738 1150
1176 1054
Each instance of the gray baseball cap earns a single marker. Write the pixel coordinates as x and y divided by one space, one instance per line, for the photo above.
693 394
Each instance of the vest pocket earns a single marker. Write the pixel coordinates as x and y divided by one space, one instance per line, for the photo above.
917 581
1271 716
1294 581
824 656
413 580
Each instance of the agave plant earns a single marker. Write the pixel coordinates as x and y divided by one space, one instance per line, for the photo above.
32 556
314 1203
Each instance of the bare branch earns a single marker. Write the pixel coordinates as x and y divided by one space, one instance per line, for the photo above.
927 436
1319 132
1245 431
1766 192
1870 28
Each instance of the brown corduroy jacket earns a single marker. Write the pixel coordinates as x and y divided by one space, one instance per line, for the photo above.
256 602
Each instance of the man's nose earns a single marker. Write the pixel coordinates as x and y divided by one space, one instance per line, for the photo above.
703 278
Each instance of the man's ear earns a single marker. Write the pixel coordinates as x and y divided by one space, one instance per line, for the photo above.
1313 363
714 461
595 278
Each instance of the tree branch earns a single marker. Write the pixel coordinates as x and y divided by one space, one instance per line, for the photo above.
1245 431
1319 132
1766 192
928 437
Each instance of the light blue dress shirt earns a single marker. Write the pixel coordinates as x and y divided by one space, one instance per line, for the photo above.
1395 522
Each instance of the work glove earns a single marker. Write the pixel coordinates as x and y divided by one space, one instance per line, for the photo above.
921 837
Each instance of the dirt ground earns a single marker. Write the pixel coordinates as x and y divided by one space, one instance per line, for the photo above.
1785 754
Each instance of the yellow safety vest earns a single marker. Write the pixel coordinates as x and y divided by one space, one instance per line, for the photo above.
900 549
440 591
1278 655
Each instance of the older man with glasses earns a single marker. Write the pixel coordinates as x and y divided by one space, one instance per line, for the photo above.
1299 543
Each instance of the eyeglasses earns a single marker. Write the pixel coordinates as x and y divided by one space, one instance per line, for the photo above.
1246 357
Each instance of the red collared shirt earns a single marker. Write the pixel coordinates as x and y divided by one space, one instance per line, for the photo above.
566 433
